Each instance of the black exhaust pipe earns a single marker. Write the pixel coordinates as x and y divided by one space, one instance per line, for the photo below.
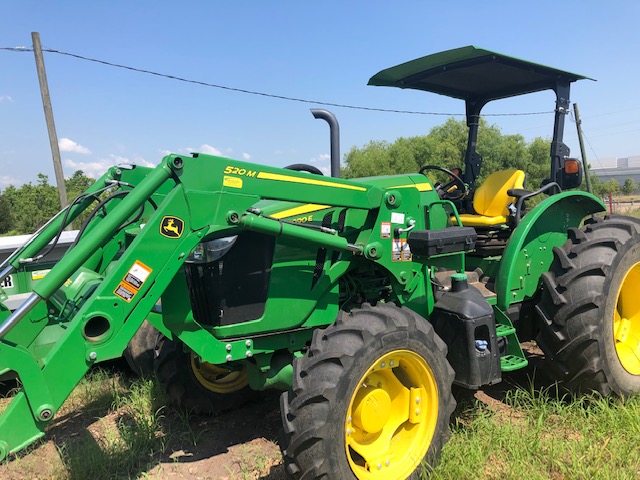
334 130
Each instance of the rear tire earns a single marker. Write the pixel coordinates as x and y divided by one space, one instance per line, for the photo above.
139 351
590 308
200 388
372 395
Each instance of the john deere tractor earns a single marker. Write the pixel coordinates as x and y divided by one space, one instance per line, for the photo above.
363 300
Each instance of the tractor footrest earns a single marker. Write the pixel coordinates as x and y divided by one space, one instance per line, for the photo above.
504 330
512 362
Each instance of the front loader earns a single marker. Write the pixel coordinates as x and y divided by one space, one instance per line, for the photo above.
363 300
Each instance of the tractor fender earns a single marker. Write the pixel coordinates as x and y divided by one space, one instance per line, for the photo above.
529 252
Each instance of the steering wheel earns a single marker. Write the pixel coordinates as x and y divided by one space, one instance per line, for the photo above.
303 167
446 191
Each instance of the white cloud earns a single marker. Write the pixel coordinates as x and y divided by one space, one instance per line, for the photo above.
5 98
206 149
68 145
135 160
322 158
145 163
98 167
6 180
323 163
91 169
209 150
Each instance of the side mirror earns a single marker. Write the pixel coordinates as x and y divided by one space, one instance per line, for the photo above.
571 174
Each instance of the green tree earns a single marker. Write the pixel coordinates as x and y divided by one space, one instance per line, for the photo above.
31 206
375 158
538 166
445 146
629 186
598 187
612 186
77 184
6 216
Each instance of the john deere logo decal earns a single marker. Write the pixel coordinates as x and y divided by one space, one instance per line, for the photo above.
171 227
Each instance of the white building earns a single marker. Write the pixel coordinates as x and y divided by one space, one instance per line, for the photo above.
619 168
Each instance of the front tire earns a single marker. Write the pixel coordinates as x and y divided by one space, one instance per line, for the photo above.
140 350
371 399
590 308
198 387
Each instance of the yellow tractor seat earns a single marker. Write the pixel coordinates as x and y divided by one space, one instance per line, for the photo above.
491 199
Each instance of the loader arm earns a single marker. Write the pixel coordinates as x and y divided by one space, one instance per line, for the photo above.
93 301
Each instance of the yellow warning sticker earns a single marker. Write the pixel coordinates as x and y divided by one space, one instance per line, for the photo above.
137 274
400 250
39 274
125 292
233 182
133 281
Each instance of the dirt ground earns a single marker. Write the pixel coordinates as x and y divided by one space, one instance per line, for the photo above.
238 445
242 444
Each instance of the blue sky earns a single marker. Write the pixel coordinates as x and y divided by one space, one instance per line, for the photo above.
323 51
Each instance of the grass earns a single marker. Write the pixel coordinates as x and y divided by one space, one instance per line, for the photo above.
541 436
633 213
185 432
126 437
250 460
108 428
113 428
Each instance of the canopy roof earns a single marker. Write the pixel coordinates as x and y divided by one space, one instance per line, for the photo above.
471 73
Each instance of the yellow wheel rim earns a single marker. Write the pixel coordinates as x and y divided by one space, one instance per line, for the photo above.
392 417
626 321
217 379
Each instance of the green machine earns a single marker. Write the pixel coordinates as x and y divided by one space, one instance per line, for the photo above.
363 300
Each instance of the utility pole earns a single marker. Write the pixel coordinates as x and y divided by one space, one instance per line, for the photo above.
48 115
582 152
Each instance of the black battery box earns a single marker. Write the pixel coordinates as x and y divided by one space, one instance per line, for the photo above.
427 243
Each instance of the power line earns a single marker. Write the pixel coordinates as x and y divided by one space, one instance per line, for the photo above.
594 152
262 94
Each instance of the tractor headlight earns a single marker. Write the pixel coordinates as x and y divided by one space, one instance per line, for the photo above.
212 250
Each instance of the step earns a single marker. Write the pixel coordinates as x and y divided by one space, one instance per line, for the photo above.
512 362
474 278
484 289
505 330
